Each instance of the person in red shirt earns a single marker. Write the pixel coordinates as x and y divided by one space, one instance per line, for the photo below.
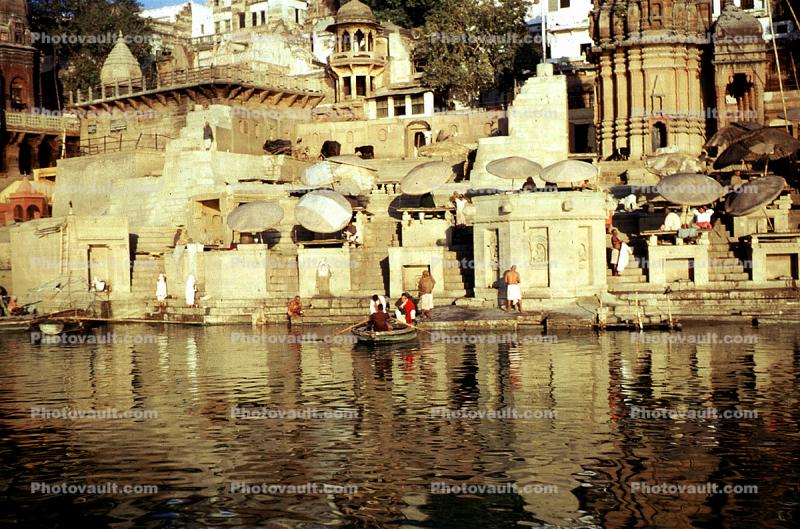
406 307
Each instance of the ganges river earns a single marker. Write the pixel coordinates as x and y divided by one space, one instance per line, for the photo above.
173 427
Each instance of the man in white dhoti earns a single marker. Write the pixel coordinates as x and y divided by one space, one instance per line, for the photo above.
190 291
513 290
425 285
161 291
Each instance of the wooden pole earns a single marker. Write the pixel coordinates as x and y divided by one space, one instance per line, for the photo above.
778 65
352 327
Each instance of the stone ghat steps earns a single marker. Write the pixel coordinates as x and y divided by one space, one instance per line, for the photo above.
334 310
711 303
154 239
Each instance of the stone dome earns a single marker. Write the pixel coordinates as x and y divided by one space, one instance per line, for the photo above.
13 8
120 66
733 22
355 12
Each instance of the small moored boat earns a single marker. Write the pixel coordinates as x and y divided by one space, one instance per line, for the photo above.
401 333
15 323
64 322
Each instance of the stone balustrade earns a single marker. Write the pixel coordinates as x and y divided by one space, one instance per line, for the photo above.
28 122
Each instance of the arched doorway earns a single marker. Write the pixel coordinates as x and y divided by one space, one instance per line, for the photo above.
417 133
33 213
658 135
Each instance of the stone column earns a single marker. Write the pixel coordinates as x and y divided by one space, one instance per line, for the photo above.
606 108
621 131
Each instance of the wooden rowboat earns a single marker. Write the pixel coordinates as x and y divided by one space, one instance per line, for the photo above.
15 323
401 333
65 322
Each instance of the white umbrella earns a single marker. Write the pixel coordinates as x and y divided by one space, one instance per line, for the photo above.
323 211
353 181
255 217
568 172
318 175
425 178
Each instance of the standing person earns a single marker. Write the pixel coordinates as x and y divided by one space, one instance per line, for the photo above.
161 292
513 291
616 246
425 285
406 310
702 217
190 291
376 301
208 136
324 278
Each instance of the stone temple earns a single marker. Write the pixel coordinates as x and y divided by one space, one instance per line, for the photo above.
277 82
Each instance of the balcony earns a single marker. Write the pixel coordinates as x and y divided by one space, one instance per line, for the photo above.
27 122
212 75
356 57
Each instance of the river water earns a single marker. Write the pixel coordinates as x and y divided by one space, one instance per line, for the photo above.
227 427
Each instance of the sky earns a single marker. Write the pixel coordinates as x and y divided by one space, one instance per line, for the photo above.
147 4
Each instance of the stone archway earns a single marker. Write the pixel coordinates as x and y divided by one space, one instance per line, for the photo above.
658 135
416 137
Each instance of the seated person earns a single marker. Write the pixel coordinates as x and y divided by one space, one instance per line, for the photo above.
529 184
294 308
702 217
672 222
379 321
406 310
352 235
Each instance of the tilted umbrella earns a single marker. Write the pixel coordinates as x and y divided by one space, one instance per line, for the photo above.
352 180
568 172
255 217
754 195
763 144
323 211
731 133
425 178
318 175
673 163
513 168
688 189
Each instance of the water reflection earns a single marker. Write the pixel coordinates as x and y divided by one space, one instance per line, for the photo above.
592 448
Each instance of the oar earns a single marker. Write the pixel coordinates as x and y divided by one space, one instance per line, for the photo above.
352 327
414 327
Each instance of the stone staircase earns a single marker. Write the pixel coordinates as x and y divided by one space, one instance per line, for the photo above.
724 265
144 275
153 239
233 311
632 275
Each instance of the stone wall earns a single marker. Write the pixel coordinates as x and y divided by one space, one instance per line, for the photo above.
391 136
556 240
90 182
538 124
55 258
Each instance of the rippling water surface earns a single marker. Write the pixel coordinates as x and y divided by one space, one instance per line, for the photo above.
389 427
